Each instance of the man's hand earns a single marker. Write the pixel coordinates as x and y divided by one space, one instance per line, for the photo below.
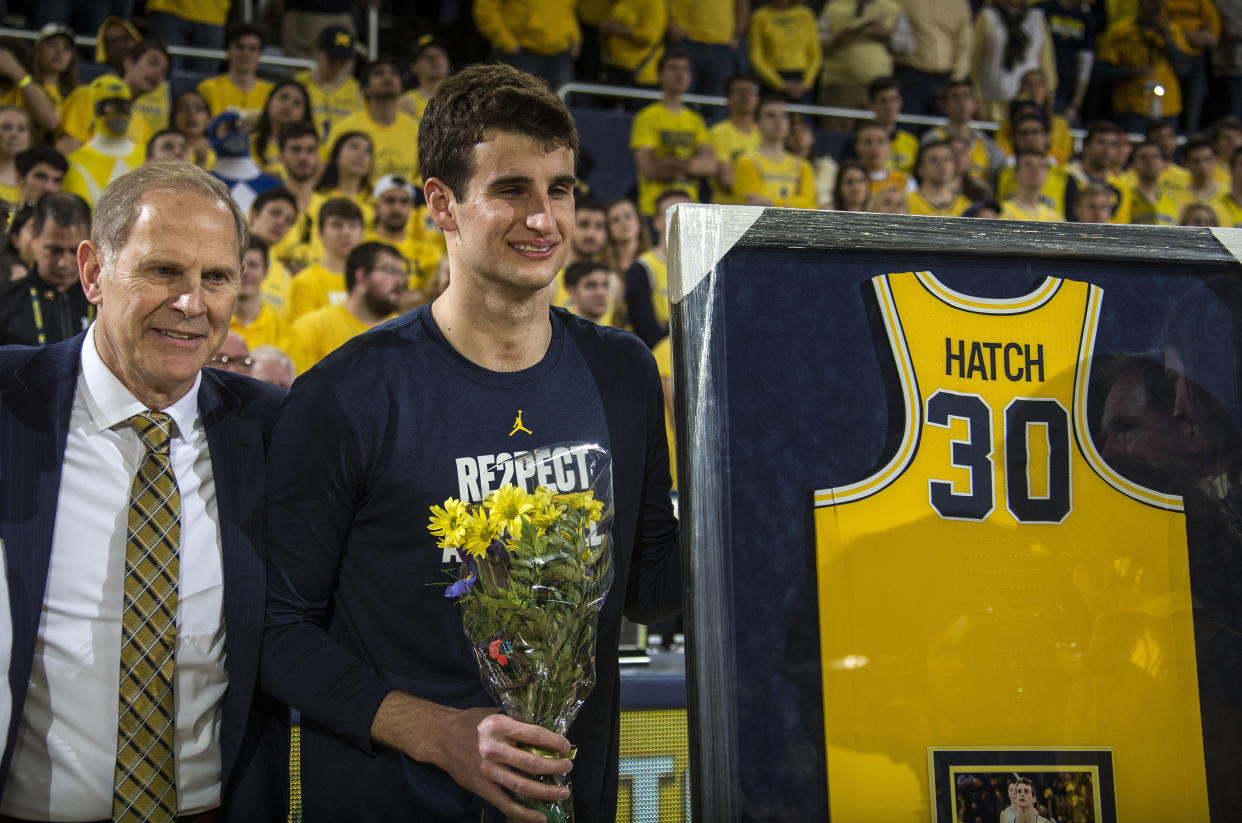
675 33
477 747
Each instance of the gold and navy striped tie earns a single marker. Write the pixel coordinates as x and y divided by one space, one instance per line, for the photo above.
145 780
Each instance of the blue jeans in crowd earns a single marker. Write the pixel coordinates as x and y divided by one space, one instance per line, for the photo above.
172 30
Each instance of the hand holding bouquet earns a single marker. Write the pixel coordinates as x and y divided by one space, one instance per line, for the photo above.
535 569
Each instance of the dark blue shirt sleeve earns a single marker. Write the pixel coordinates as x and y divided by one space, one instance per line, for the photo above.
315 472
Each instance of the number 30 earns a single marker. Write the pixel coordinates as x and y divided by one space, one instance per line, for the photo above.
975 454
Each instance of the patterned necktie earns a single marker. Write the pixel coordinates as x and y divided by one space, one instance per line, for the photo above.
145 779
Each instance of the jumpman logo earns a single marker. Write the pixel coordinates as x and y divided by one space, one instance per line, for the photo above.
518 427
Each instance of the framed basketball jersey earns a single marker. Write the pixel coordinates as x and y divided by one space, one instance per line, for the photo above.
961 503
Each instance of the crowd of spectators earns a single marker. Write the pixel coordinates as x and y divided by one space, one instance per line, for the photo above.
324 159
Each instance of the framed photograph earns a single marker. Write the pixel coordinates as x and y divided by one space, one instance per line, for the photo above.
1021 785
956 484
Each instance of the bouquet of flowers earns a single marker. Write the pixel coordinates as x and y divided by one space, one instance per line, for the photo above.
535 569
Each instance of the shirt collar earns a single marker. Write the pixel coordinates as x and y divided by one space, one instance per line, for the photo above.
111 404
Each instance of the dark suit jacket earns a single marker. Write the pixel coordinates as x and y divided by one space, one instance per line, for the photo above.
37 387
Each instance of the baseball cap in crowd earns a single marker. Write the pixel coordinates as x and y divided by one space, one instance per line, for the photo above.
389 182
51 30
427 41
336 41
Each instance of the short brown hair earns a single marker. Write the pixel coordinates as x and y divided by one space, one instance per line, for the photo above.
118 205
485 98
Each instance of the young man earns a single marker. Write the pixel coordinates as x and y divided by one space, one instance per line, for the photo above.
413 410
589 238
322 283
1229 204
646 281
334 93
1176 177
960 104
375 277
1028 201
884 98
1095 167
393 133
1093 203
588 286
111 152
253 319
240 88
1030 133
168 144
271 217
874 148
394 206
771 175
940 190
40 169
735 135
299 157
1226 134
1203 188
430 65
1150 204
671 146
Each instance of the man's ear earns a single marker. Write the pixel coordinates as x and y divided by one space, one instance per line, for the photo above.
441 203
90 269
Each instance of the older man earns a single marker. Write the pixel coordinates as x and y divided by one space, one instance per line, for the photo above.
129 515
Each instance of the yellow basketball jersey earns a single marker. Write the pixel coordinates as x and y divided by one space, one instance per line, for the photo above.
995 584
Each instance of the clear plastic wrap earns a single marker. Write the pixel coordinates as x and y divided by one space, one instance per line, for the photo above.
536 567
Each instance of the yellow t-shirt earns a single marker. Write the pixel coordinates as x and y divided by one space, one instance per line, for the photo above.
213 12
1132 46
784 40
314 287
1215 200
704 21
315 335
663 354
730 144
330 106
670 134
1010 210
1143 212
268 329
414 104
1053 190
787 182
1228 210
895 178
919 204
904 151
11 195
394 149
221 94
276 287
647 19
152 111
90 171
538 26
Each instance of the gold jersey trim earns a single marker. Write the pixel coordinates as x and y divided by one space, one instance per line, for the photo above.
1044 292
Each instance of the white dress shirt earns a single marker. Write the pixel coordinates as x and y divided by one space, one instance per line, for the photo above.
65 755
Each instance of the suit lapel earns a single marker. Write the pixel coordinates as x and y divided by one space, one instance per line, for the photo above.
35 406
237 464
